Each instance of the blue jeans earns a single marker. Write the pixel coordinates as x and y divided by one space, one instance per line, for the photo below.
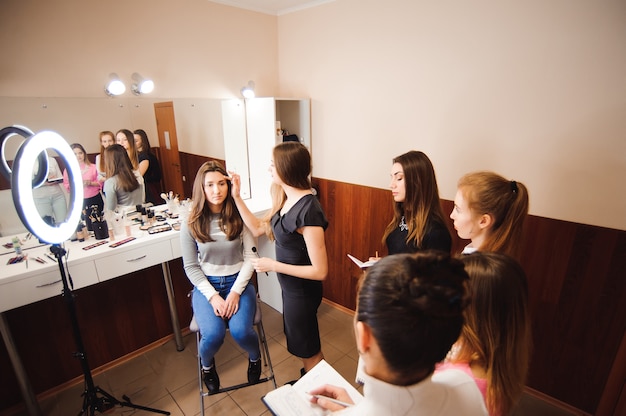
213 328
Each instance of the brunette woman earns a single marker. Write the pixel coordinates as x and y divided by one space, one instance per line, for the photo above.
217 252
297 223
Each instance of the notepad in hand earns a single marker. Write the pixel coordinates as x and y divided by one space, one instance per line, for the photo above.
292 400
361 264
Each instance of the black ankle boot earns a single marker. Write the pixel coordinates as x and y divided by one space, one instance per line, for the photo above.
302 373
211 379
254 371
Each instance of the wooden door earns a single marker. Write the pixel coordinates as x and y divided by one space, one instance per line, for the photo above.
168 148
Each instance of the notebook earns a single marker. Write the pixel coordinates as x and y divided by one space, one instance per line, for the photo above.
292 400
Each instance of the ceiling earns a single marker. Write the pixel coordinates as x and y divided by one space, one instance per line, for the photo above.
273 7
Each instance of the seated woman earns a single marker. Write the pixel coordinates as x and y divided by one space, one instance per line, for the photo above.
217 249
121 187
495 342
409 313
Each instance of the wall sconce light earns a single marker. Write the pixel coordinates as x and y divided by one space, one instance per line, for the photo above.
248 90
114 86
141 85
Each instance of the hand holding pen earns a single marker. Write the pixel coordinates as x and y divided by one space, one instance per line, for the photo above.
330 397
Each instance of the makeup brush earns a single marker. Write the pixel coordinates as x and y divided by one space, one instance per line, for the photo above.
257 254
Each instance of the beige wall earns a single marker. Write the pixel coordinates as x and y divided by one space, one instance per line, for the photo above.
533 90
190 48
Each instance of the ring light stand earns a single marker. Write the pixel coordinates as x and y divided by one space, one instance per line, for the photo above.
34 149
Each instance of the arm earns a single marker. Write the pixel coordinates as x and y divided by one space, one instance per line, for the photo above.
252 221
101 177
243 278
110 200
189 250
143 166
316 248
66 180
93 177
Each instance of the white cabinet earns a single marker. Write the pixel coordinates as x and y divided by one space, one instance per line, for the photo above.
43 283
250 134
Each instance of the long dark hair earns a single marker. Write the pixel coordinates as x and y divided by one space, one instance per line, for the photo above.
292 161
199 219
421 205
145 143
132 149
118 164
497 332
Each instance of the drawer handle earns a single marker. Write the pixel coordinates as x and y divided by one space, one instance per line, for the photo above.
49 284
138 258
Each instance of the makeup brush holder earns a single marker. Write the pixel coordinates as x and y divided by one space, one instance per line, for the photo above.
100 229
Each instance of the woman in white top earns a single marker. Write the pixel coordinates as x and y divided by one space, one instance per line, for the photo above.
409 313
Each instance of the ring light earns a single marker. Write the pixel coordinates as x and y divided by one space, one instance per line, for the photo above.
22 188
25 132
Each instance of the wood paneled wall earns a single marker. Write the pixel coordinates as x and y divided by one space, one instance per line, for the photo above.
576 275
189 165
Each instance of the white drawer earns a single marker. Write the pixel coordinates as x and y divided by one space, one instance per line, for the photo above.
45 285
127 261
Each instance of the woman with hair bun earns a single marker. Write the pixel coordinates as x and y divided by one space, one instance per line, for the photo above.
409 313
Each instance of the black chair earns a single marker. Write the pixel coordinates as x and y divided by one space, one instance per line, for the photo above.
265 353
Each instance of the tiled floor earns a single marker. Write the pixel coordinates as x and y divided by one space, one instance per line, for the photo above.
166 379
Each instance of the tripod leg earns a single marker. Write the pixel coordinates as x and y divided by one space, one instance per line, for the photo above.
127 403
91 402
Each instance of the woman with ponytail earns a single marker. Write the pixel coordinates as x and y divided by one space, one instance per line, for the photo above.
490 211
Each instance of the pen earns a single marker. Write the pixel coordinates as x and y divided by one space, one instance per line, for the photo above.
40 260
50 257
376 253
330 399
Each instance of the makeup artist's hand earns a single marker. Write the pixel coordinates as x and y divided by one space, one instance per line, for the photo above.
263 264
334 392
235 181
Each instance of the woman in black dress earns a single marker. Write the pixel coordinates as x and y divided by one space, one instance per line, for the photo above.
149 167
418 222
297 223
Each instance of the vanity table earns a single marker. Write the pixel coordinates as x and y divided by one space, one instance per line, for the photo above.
31 281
